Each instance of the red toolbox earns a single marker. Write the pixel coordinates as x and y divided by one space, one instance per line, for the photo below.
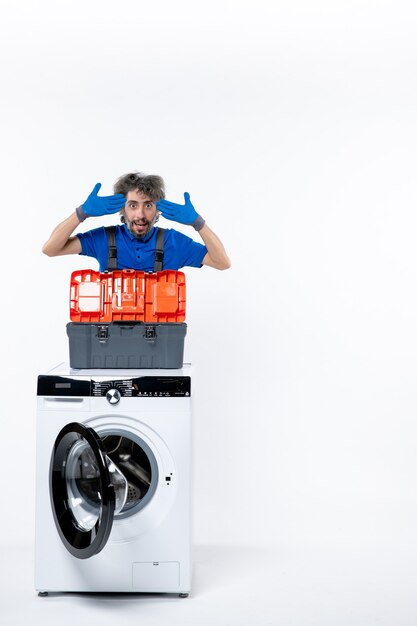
127 295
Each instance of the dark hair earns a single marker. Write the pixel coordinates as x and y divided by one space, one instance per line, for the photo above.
153 186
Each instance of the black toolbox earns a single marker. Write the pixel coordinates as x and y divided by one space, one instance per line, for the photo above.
127 345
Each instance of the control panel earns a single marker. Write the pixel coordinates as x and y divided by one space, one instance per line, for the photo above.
115 388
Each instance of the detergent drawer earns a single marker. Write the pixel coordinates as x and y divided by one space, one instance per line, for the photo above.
126 345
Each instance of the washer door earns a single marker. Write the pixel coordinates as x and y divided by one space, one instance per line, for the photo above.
83 495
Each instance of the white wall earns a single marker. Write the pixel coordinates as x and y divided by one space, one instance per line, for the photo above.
293 126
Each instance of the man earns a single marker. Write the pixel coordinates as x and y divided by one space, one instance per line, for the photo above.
140 198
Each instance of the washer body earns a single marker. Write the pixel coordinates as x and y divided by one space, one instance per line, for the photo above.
113 515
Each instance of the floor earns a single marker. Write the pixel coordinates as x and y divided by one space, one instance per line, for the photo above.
238 586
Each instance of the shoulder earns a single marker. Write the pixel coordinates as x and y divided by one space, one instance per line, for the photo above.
94 233
93 242
182 251
175 236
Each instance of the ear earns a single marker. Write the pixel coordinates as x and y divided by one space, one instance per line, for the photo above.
122 216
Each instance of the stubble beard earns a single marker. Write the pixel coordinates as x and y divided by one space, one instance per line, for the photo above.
149 225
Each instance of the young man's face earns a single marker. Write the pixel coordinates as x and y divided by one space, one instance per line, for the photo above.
140 213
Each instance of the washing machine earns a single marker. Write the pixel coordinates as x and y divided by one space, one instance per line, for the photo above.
113 474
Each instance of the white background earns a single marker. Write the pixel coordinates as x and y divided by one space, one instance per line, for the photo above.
293 126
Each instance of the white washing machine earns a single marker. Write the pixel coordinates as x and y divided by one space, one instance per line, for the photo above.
113 493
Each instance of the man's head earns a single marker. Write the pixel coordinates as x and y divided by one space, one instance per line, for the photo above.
141 192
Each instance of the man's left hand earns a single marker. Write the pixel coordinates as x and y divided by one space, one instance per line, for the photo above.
181 213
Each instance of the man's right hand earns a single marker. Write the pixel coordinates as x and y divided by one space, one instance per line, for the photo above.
95 206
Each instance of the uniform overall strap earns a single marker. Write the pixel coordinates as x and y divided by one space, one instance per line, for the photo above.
112 253
159 250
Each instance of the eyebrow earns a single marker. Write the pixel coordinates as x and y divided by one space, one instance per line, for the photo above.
144 202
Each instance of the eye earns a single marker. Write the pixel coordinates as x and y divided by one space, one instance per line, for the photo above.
149 205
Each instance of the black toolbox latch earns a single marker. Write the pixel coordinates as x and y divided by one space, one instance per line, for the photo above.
103 333
150 333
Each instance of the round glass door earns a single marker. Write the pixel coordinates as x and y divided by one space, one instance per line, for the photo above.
86 488
135 460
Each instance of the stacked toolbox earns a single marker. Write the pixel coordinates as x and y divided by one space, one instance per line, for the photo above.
127 319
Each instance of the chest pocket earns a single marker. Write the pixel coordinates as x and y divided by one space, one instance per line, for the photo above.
112 249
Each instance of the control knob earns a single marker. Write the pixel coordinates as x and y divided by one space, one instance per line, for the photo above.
113 396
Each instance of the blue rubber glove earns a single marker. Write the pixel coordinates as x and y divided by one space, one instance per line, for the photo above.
181 213
96 206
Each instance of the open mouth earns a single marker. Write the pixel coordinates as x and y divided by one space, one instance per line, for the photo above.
140 224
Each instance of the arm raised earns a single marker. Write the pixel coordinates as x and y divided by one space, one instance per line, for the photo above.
186 214
60 242
216 254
